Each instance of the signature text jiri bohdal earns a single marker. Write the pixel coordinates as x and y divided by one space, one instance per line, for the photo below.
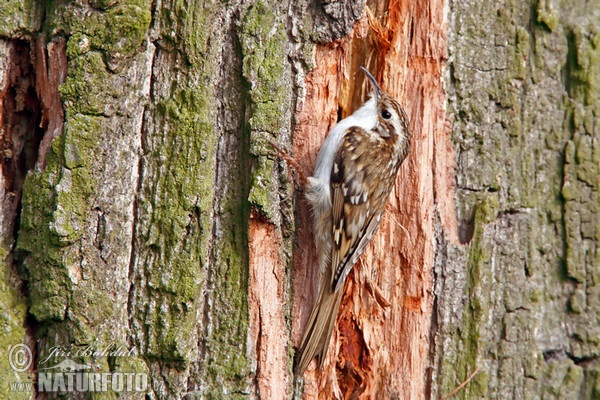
112 350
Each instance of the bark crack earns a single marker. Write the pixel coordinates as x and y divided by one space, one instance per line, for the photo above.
21 119
135 208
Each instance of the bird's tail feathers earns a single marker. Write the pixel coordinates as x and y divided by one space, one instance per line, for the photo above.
319 328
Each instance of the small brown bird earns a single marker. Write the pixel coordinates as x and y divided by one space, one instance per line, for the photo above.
355 172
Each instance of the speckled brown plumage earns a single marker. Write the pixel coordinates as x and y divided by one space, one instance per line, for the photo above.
355 172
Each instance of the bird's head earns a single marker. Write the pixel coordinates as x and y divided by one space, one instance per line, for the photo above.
392 121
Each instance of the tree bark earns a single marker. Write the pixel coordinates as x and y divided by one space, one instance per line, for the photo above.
518 299
143 206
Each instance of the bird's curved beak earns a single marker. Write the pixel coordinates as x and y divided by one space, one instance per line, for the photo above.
376 88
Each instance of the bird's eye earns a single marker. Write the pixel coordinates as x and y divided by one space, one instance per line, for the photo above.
385 114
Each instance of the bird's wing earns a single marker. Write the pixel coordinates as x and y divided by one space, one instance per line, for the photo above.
353 219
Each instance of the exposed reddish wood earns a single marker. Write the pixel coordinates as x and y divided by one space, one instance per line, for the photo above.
316 114
267 307
322 85
383 352
50 61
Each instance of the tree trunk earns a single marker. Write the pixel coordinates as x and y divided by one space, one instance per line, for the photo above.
517 298
144 209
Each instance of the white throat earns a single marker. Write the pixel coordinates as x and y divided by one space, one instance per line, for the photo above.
365 117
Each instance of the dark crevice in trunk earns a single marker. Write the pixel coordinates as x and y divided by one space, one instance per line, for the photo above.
131 311
22 129
20 119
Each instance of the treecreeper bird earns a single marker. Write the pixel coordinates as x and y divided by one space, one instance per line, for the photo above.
355 172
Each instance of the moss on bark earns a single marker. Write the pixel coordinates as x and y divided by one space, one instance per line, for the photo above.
521 103
14 312
71 219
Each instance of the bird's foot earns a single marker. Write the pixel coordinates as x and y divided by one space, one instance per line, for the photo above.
291 161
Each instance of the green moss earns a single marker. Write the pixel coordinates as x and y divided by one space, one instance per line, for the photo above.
86 90
521 52
13 311
534 364
546 15
90 307
261 193
181 212
263 38
487 211
479 284
583 66
19 17
563 380
187 28
228 357
587 167
192 147
478 386
81 140
173 339
117 29
592 382
56 203
178 231
49 285
524 152
73 193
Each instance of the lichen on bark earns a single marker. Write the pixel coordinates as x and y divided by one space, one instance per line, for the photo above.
262 37
519 106
136 231
75 229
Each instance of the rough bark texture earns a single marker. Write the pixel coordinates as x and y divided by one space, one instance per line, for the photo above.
142 206
520 298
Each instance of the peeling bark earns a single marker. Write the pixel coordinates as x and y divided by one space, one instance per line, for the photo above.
267 313
371 339
50 64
